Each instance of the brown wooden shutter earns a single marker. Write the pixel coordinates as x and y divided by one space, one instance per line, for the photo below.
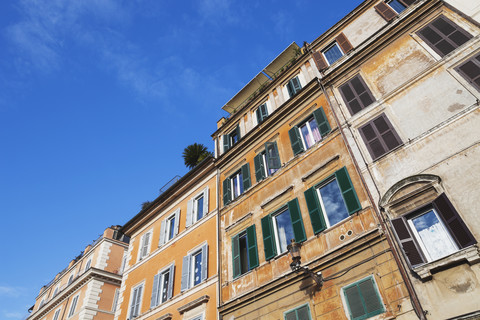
356 94
319 61
385 11
409 247
343 43
453 221
470 70
379 136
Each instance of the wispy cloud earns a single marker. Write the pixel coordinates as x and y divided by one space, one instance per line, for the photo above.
11 292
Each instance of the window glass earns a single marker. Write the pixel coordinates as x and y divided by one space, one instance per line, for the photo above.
310 133
333 53
197 268
171 227
165 279
396 5
199 208
332 203
284 230
233 137
242 239
237 184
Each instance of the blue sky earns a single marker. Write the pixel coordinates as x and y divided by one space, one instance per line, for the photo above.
98 98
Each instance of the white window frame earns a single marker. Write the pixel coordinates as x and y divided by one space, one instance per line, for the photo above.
275 228
141 256
115 300
238 175
195 207
192 206
320 199
124 263
71 278
142 288
387 2
57 314
254 113
56 290
88 264
310 132
192 267
73 306
171 270
330 46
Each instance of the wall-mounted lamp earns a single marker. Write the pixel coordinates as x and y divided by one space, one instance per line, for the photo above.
294 249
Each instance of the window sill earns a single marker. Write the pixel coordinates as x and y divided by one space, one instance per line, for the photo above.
471 254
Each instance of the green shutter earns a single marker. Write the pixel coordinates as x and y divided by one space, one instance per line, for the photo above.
370 297
297 223
296 84
252 247
290 88
273 158
348 192
247 183
226 191
354 302
315 210
238 133
259 169
268 240
226 142
259 116
296 140
363 299
322 122
236 256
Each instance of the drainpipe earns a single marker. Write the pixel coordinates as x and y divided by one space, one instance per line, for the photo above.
219 286
417 307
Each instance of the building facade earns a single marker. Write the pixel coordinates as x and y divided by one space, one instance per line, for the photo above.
88 288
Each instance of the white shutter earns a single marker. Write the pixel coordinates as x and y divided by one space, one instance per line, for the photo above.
162 232
204 261
189 212
185 274
155 291
170 281
137 302
146 243
177 221
205 201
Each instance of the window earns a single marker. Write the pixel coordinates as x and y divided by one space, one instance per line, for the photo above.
73 306
194 268
55 292
261 113
162 286
391 8
332 53
169 227
281 227
356 94
396 5
362 299
470 70
267 162
144 245
300 313
136 301
197 207
293 86
229 140
236 184
70 279
331 201
41 303
124 262
244 251
379 136
432 232
87 266
115 300
308 132
56 314
443 36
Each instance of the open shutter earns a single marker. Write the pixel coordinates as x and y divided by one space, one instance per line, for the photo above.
239 136
259 169
161 241
204 262
155 291
290 88
252 247
319 61
296 140
236 256
247 183
322 122
296 84
205 201
297 222
177 220
273 158
226 142
170 281
227 193
453 221
259 115
343 43
189 213
407 243
146 243
185 273
385 11
268 240
315 210
348 192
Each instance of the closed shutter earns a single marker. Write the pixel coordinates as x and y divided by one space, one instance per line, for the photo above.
252 247
354 302
297 222
319 61
322 122
154 300
379 136
348 192
259 169
453 221
170 281
177 220
236 256
205 201
407 242
343 43
296 140
161 241
189 220
315 210
470 70
204 262
385 11
247 183
371 299
268 240
185 273
356 94
227 193
226 142
132 306
291 315
444 36
273 158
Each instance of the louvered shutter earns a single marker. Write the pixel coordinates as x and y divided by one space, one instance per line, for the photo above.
259 169
291 315
343 43
146 243
315 210
227 193
379 136
348 192
247 183
290 89
385 11
356 94
272 156
459 231
189 220
319 61
268 240
205 201
409 247
204 262
297 86
161 241
322 122
236 256
252 247
370 297
185 274
226 142
297 222
470 70
259 115
170 281
239 136
354 302
177 220
154 300
296 140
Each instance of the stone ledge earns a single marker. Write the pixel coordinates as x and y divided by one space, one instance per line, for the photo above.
167 316
193 304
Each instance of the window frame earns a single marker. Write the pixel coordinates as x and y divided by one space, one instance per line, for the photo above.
278 245
228 185
378 295
356 95
187 278
88 265
115 300
293 90
71 278
251 251
259 115
157 298
387 2
379 136
141 254
296 309
329 47
56 314
73 306
165 227
192 206
319 186
296 137
475 59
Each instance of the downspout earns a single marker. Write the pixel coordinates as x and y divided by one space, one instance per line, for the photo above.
218 243
417 307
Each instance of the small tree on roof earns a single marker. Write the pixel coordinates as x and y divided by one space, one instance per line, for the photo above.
194 154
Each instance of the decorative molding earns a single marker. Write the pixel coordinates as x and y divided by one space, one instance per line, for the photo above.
320 167
104 255
193 304
167 316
